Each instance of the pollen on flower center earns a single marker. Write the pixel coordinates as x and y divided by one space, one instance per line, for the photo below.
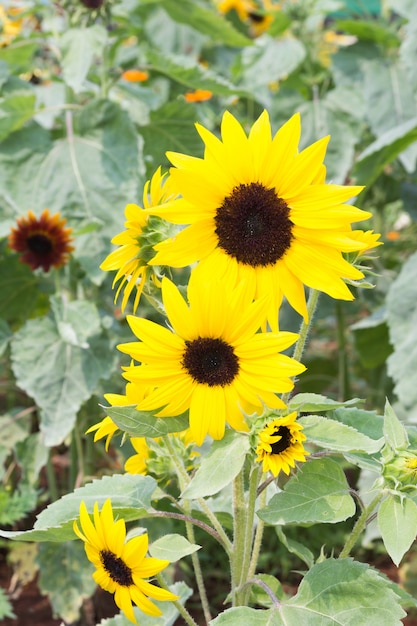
40 244
284 442
116 568
210 361
253 226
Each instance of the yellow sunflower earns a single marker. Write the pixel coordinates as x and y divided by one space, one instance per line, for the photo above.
260 211
136 242
121 566
42 241
281 444
213 362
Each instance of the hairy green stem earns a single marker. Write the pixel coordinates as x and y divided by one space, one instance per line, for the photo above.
360 525
257 543
250 516
239 535
180 608
303 332
184 480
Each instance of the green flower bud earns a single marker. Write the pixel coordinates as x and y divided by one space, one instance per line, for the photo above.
400 472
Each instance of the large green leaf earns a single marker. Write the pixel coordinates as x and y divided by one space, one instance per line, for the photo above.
130 495
397 521
144 423
56 365
316 402
370 31
205 21
189 72
79 47
172 547
336 436
402 323
372 339
383 151
15 110
318 492
19 289
269 60
334 592
219 467
171 128
65 576
394 430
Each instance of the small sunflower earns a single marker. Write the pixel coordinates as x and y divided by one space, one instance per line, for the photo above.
121 566
213 362
10 24
136 242
260 211
42 241
281 444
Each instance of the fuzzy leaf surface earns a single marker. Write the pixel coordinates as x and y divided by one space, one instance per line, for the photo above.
397 520
172 547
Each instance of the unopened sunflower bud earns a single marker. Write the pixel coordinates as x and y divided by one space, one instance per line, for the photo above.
400 472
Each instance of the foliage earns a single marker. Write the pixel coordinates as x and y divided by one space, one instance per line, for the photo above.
80 137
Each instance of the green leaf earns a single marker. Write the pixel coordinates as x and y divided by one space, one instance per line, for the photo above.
130 495
59 375
15 110
259 595
18 54
171 126
394 431
219 467
401 316
336 436
317 493
334 592
189 72
172 547
315 403
369 31
295 547
144 423
65 576
383 151
269 60
367 422
372 339
6 609
397 520
79 47
19 289
205 21
169 612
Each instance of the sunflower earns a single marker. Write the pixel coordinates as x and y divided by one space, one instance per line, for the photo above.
281 444
121 565
10 24
136 242
260 211
43 242
212 362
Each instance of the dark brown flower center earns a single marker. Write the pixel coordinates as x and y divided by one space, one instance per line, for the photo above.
253 225
39 244
210 361
116 568
284 442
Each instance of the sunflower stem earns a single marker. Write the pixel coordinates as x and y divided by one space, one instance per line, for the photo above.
180 608
360 525
257 543
343 374
240 518
52 486
303 332
250 516
184 480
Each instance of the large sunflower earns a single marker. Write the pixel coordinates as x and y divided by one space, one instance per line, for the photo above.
212 362
135 249
281 444
121 565
42 241
259 210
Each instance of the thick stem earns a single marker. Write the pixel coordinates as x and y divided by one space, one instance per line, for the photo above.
257 543
303 332
249 531
239 532
360 525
